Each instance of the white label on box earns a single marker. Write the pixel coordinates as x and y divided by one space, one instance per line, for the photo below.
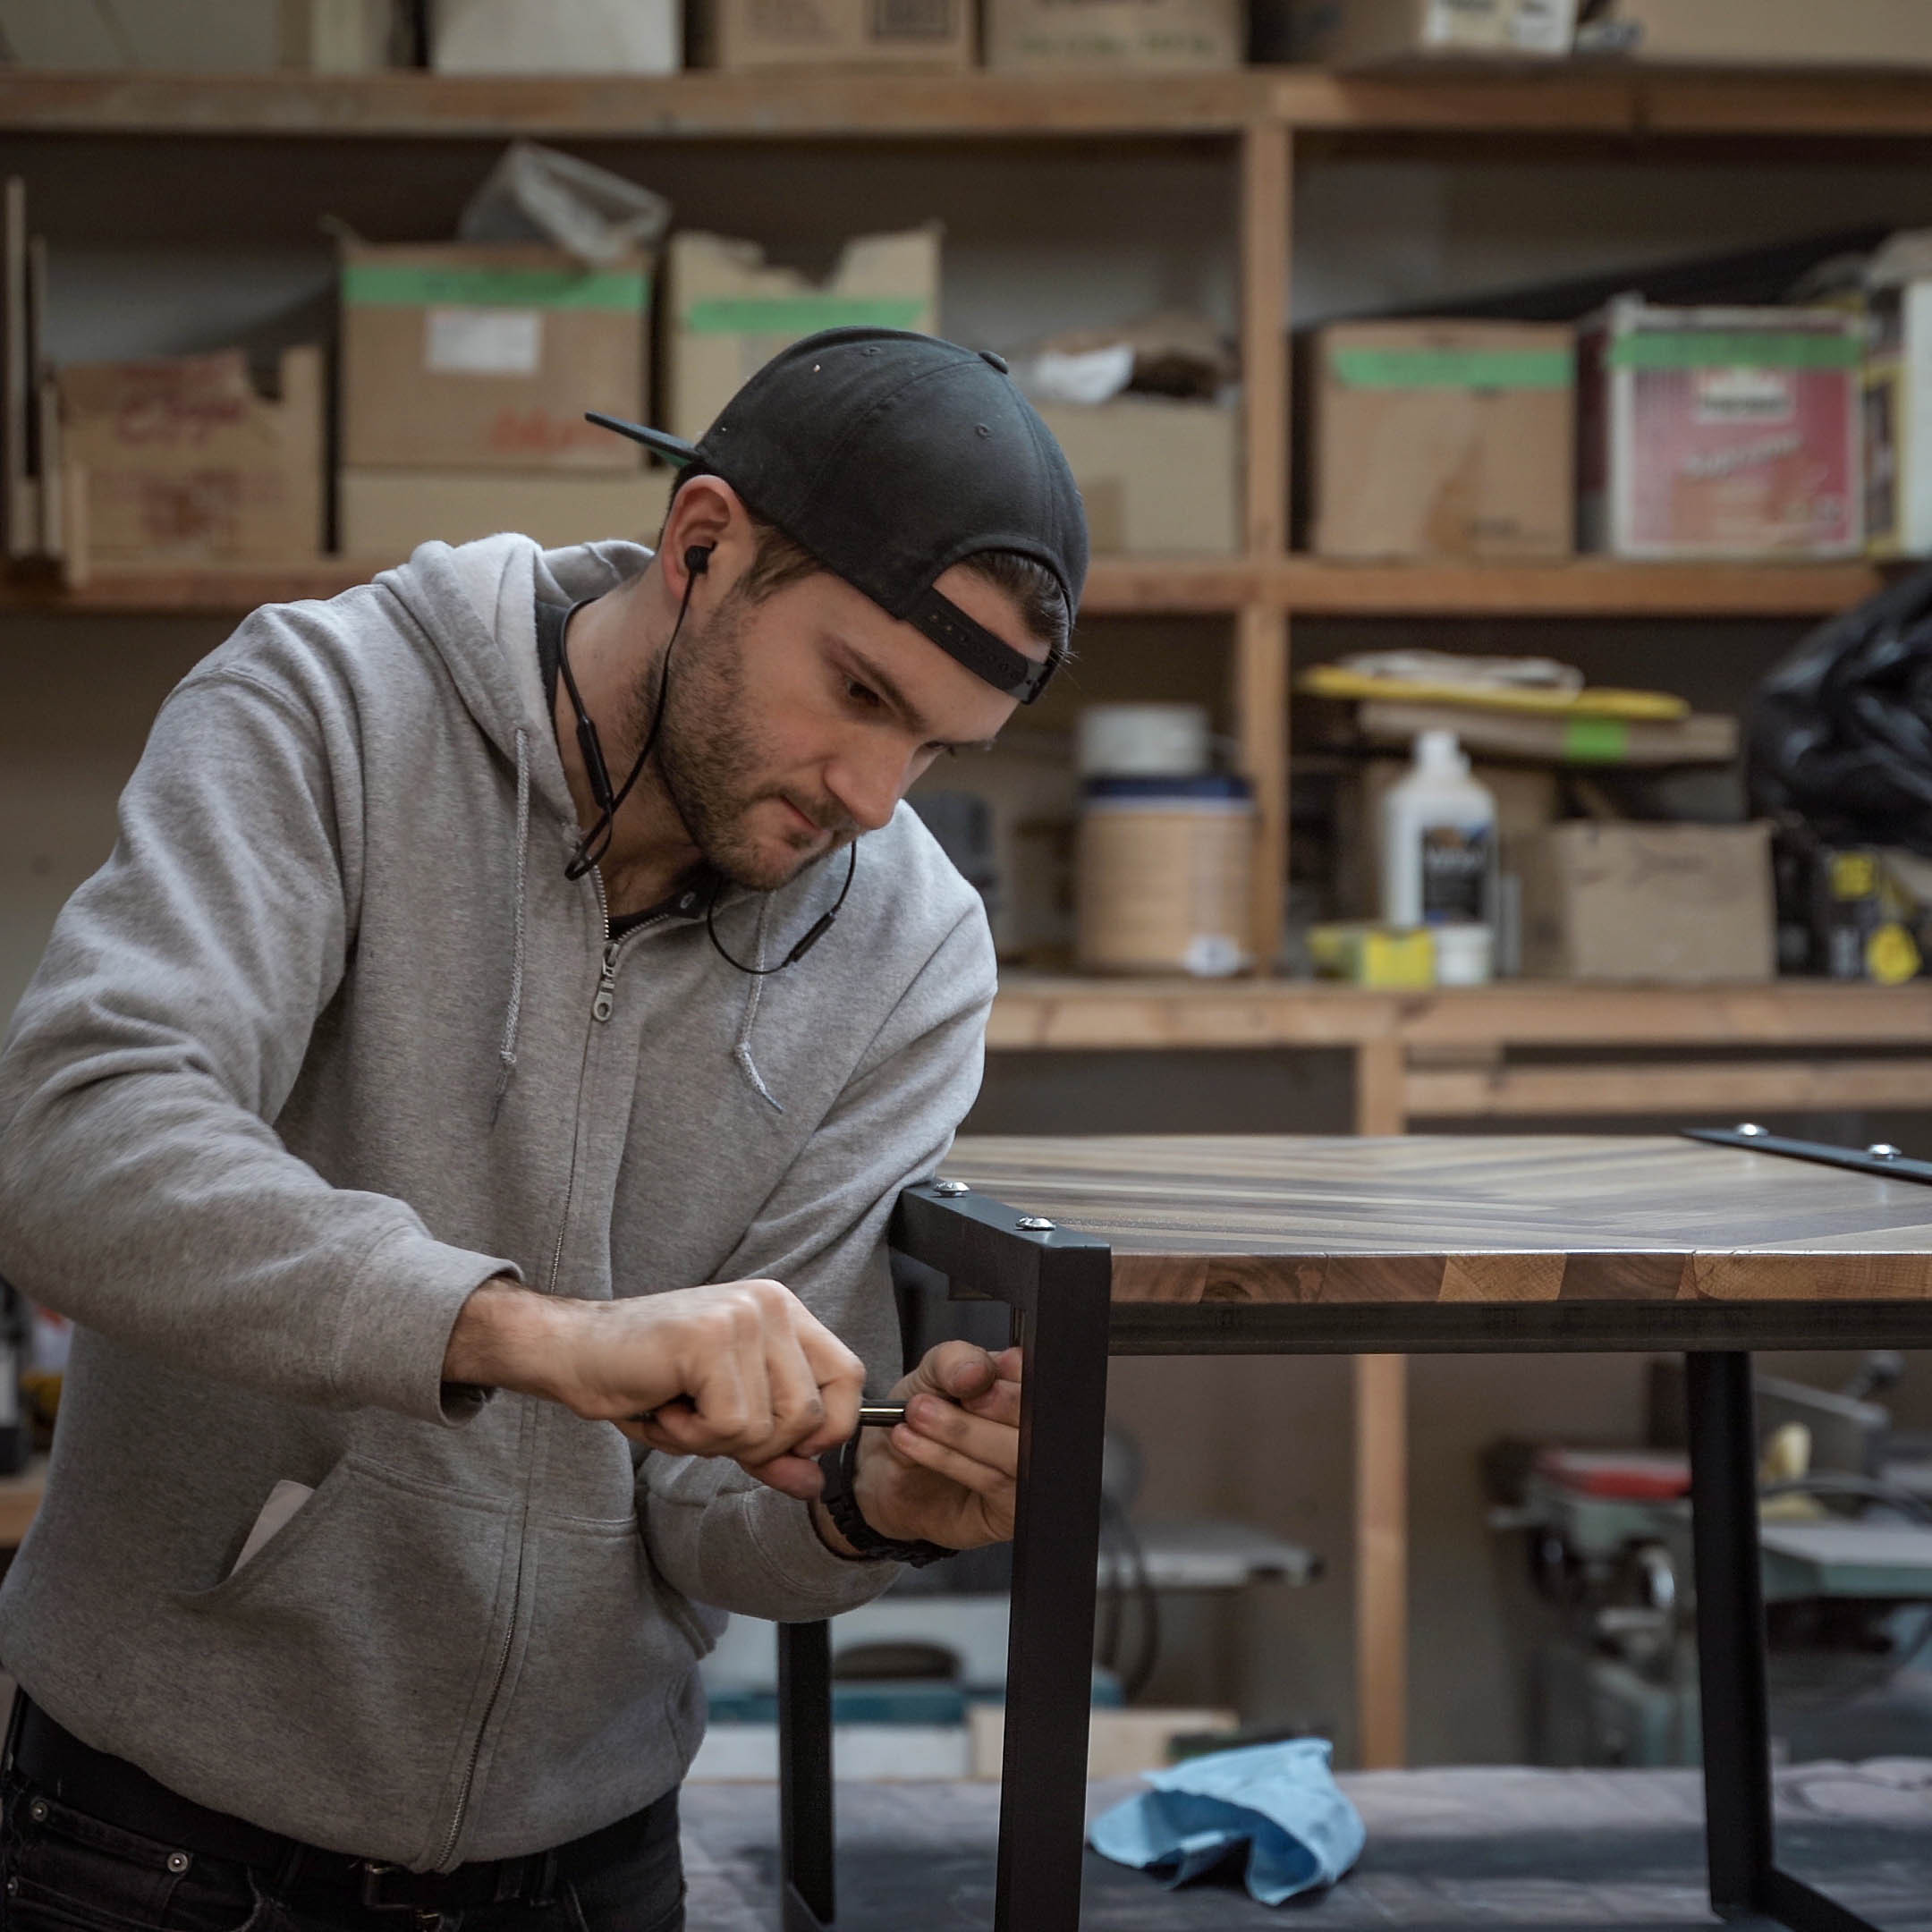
483 342
1746 395
1501 26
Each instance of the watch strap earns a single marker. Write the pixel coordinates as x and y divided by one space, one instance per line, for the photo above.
839 1467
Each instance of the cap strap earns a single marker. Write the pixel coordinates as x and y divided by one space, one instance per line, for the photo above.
985 656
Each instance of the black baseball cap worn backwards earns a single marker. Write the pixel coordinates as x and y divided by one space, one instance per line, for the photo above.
891 457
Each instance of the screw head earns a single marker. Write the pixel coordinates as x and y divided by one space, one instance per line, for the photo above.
1884 1150
1751 1130
951 1190
1034 1224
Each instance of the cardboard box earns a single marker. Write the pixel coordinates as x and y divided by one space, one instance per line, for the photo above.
1443 439
1675 903
730 312
182 459
199 35
1158 478
1763 33
559 37
743 35
1145 36
458 356
1722 432
1372 33
1898 422
387 512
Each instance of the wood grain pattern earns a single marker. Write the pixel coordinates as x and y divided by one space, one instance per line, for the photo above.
1239 1219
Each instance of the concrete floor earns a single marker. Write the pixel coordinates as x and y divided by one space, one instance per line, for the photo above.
1534 1851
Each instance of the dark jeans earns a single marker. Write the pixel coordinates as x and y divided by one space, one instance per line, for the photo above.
64 1872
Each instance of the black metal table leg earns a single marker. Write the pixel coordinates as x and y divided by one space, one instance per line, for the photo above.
805 1828
1049 1658
1730 1627
1061 1285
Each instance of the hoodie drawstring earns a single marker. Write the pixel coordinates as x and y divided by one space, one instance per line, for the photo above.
506 1052
742 1051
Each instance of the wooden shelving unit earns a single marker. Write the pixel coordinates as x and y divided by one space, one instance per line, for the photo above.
1440 1055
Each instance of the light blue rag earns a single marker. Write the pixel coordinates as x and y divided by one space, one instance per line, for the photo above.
1280 1799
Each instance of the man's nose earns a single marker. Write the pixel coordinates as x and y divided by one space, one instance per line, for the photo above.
868 789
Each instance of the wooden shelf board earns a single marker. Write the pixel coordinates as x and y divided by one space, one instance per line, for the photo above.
1583 587
748 106
1305 586
1041 1011
1440 97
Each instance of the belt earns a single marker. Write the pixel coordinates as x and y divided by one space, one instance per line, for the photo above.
53 1760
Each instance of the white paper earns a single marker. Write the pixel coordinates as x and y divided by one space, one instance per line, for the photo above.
483 342
283 1500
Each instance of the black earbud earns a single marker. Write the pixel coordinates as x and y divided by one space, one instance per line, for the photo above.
698 558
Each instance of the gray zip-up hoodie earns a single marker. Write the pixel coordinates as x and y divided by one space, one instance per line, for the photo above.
316 1052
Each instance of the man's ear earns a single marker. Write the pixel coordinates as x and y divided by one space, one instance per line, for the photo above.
708 514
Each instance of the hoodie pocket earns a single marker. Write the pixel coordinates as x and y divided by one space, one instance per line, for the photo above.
606 1697
330 1685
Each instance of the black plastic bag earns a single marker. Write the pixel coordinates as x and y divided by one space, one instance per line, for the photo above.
1839 737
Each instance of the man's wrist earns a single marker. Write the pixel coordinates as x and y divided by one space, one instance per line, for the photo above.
504 1336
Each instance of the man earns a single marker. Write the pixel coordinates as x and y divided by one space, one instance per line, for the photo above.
462 1117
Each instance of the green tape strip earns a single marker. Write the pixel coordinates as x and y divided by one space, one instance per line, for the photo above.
1683 348
800 314
1596 741
1453 368
406 285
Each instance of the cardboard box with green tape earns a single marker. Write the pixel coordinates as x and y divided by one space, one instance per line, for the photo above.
1452 439
471 357
730 311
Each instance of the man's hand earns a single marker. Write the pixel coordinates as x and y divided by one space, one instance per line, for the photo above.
739 1368
946 1474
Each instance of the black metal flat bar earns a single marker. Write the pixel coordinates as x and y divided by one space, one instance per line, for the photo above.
1496 1328
1858 1160
1805 1909
1730 1631
805 1821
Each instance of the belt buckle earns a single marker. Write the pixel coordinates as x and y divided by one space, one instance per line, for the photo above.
373 1874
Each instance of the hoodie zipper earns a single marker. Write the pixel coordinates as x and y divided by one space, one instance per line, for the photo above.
602 1005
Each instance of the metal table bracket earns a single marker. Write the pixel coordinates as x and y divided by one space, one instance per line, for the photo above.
1881 1158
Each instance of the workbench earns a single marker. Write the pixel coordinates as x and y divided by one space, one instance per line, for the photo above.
1273 1245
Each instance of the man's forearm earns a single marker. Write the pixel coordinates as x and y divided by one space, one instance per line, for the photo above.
505 1336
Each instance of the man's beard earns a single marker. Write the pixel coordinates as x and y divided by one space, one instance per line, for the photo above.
713 765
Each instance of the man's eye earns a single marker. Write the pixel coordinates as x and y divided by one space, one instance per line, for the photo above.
861 694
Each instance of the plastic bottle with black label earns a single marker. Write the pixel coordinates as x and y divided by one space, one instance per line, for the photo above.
1439 858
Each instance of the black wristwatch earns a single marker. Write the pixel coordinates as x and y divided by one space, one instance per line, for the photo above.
839 1466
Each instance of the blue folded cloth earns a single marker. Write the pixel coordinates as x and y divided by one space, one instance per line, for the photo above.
1279 1800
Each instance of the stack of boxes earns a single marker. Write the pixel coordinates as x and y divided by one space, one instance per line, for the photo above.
466 371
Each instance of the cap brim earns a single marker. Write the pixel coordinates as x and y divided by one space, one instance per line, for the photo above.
674 449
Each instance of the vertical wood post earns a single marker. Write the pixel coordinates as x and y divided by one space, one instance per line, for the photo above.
1381 1478
1261 704
1266 173
1261 633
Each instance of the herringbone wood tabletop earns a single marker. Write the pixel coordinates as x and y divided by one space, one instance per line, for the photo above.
1465 1218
